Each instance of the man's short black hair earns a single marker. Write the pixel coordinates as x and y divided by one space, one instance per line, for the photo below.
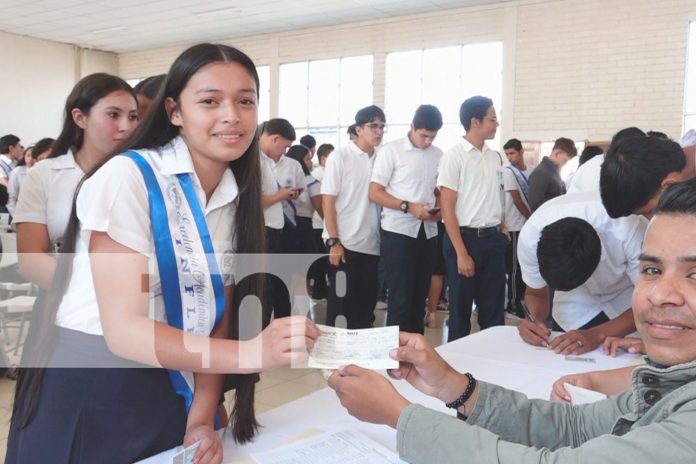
513 144
279 126
633 171
427 117
473 107
568 252
678 199
589 152
7 141
308 141
625 134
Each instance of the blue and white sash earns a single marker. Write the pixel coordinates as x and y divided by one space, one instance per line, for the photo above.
289 211
522 182
190 283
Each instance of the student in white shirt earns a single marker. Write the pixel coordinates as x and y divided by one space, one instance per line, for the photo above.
308 202
586 178
318 271
574 255
403 183
275 137
351 223
516 186
195 179
470 185
282 181
100 112
11 151
32 155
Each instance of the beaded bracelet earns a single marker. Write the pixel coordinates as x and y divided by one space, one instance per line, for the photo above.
464 396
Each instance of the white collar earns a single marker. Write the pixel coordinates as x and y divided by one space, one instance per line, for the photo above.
175 158
468 146
65 161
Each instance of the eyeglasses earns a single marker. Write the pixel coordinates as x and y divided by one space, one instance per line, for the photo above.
374 127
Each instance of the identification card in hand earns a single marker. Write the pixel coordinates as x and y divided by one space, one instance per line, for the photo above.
368 348
186 455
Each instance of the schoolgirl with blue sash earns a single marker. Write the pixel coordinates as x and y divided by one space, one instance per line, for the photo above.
136 335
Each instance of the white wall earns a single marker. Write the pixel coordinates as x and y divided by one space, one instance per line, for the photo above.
575 68
36 77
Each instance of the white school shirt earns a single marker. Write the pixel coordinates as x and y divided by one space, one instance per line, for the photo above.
16 177
115 200
47 194
514 220
610 287
272 215
586 178
409 174
7 165
303 204
347 176
318 174
476 177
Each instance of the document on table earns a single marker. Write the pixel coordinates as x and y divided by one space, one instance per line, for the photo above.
579 395
368 348
344 447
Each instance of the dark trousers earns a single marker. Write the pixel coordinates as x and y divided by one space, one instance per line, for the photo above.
353 290
486 288
408 264
319 268
515 284
277 292
305 236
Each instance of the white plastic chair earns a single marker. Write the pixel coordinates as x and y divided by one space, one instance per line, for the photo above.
16 303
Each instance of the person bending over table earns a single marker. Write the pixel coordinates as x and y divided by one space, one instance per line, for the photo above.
651 422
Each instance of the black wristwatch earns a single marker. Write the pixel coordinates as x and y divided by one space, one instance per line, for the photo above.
404 206
332 241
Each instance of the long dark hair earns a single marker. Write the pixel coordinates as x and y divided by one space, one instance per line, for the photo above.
86 93
154 131
298 152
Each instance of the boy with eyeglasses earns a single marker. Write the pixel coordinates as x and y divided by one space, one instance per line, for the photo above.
351 223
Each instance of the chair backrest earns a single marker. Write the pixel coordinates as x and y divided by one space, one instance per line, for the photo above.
9 250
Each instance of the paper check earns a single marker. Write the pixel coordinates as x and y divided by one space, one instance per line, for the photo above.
186 455
368 348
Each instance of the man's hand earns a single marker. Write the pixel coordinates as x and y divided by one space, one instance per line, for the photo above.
465 265
420 211
534 333
337 255
421 366
288 193
561 395
612 345
576 342
367 395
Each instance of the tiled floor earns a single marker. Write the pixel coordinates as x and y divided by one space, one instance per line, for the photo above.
274 389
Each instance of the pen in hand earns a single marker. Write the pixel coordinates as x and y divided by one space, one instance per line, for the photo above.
531 318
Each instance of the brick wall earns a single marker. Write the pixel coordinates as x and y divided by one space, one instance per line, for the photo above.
580 68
